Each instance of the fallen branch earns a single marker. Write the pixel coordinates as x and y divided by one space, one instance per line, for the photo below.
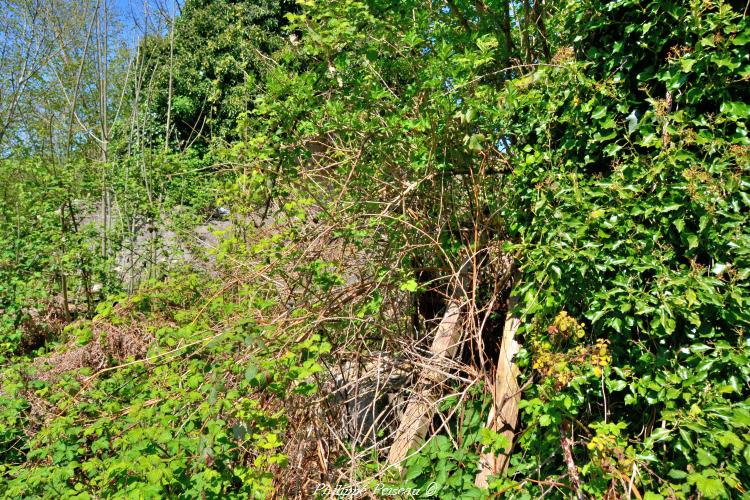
423 401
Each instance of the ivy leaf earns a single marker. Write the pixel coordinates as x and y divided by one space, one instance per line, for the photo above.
616 385
686 64
718 268
692 241
671 208
658 434
599 113
632 122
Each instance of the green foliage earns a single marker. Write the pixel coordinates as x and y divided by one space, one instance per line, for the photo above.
50 230
189 421
42 250
626 199
603 143
220 54
642 231
445 467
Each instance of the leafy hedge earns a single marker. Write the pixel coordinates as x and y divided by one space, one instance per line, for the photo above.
641 229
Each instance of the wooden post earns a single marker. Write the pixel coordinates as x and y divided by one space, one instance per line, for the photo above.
421 406
506 395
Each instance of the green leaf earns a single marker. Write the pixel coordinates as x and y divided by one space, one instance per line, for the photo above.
686 64
251 372
692 241
659 434
705 458
735 109
742 38
677 474
616 385
410 285
649 495
413 471
599 113
710 487
718 268
475 142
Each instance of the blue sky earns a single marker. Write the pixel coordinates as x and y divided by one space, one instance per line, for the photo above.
130 12
132 15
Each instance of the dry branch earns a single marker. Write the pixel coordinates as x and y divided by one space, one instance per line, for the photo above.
421 406
566 443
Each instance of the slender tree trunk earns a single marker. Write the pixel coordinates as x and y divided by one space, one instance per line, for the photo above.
63 277
169 91
509 46
526 34
102 66
539 15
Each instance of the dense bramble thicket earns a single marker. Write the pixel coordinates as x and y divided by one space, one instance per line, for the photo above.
602 144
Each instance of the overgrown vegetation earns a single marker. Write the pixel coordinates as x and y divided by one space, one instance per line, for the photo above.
230 251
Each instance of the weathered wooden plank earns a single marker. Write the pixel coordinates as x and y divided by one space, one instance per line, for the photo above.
506 396
421 406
